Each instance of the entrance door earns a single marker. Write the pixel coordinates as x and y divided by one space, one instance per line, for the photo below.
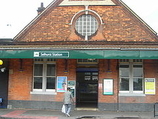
87 89
4 88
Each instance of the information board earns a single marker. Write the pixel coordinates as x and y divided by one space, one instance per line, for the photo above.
108 87
150 86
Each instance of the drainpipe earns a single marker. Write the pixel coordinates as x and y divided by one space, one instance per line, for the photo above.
118 86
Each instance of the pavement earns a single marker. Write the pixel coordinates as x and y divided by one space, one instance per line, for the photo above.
75 114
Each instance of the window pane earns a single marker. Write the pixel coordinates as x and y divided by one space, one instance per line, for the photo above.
38 69
50 70
131 75
37 82
50 82
86 25
124 71
124 84
137 72
137 84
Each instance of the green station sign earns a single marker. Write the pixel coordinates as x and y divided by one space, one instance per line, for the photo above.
51 54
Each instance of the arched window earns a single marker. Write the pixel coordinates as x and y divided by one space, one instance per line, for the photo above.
86 25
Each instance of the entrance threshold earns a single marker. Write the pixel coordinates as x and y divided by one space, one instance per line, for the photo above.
86 109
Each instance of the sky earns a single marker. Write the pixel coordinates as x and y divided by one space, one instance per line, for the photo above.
16 14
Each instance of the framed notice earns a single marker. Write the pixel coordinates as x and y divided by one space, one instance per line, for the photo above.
108 88
61 83
71 85
150 86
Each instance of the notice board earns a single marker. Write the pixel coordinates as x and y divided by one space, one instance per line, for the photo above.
150 86
108 88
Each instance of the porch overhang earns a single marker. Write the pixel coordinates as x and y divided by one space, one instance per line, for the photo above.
80 54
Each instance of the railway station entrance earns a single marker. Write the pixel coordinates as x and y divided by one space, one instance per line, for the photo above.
87 88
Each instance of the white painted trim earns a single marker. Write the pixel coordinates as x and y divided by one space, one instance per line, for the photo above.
78 3
85 11
131 94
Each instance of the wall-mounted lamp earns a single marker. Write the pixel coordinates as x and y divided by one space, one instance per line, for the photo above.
1 62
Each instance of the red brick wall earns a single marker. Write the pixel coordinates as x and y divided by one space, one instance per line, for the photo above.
150 71
118 25
20 82
65 68
108 70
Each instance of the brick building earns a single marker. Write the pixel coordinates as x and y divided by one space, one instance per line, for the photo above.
100 48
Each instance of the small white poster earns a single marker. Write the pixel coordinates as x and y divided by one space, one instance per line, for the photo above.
108 87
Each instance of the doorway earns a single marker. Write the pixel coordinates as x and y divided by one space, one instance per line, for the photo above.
87 89
4 88
4 77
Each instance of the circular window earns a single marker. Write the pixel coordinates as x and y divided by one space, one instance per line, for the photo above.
86 25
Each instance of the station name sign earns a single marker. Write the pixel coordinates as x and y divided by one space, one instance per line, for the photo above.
51 54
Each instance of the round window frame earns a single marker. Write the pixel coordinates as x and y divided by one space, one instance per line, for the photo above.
83 26
78 14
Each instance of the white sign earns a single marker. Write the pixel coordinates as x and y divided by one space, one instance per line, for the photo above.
108 87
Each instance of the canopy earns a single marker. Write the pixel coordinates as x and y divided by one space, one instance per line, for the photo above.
79 54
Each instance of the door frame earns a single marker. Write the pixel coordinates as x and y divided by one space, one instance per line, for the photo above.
84 70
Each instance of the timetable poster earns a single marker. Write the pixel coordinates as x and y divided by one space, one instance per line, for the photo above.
150 86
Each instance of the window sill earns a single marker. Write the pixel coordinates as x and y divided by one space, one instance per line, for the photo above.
43 93
131 94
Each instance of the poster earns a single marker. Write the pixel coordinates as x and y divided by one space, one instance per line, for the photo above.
150 86
61 83
71 84
108 87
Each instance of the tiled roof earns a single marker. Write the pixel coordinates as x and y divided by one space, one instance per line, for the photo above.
79 47
55 3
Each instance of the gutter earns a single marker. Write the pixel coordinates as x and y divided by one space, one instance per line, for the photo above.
121 49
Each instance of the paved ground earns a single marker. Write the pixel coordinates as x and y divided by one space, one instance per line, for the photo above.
54 114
